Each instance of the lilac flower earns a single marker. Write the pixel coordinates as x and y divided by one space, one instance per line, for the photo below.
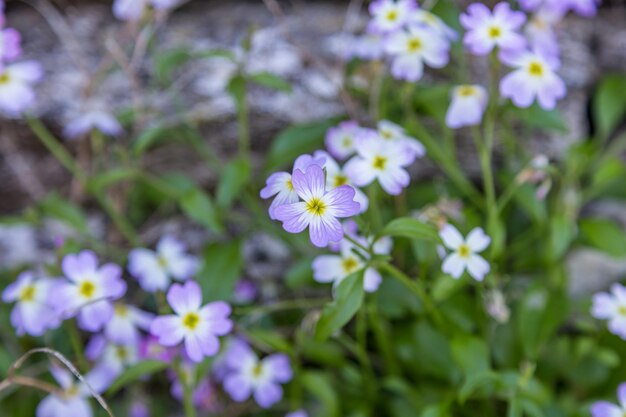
10 39
487 30
123 328
464 252
249 376
111 359
197 326
280 184
340 140
607 409
32 313
368 47
534 77
468 105
585 8
320 209
154 270
389 15
149 348
541 33
245 291
391 132
413 47
297 413
89 290
434 23
16 87
336 177
612 307
93 120
133 10
380 160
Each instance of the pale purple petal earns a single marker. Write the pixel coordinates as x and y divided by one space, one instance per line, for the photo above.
268 394
451 236
477 267
168 329
605 409
238 387
184 298
453 265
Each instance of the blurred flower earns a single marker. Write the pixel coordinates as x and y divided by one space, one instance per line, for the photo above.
297 413
487 30
340 139
149 348
32 313
496 306
607 409
138 409
467 107
433 22
111 359
368 46
280 184
612 307
247 375
204 396
381 160
389 15
88 291
16 87
391 132
10 39
154 270
93 120
585 8
245 291
197 326
413 47
537 173
534 77
336 177
541 33
133 9
123 328
464 252
320 209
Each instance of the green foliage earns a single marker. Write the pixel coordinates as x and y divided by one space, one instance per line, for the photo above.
347 301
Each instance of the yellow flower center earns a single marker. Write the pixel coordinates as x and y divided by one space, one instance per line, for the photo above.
28 293
289 184
386 134
495 32
467 91
621 310
121 310
4 78
392 15
121 352
414 45
379 163
191 320
535 68
162 261
257 370
464 251
347 142
71 392
340 180
316 206
87 289
349 265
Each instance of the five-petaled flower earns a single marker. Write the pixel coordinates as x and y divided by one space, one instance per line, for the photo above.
465 252
389 15
612 307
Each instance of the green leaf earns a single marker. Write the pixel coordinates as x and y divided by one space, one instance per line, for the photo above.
476 382
605 235
535 116
348 300
110 177
270 339
233 179
267 79
136 372
609 104
150 137
296 140
237 89
221 268
562 232
471 354
300 274
410 228
167 62
198 206
320 385
65 211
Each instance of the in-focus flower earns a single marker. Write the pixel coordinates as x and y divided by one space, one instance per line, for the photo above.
16 87
378 159
413 47
467 107
392 132
248 376
320 209
340 140
465 252
487 30
389 15
280 184
89 290
196 326
607 409
32 313
612 307
154 270
336 177
534 77
93 120
124 327
10 39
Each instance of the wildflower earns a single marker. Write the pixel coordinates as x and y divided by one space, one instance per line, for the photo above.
93 120
320 209
32 313
111 359
133 10
607 409
138 409
468 105
464 252
434 23
586 8
390 131
612 307
248 375
297 413
336 177
380 160
534 77
89 290
389 15
413 47
245 291
541 33
16 91
124 326
340 140
154 270
368 47
149 348
280 184
487 30
197 326
10 40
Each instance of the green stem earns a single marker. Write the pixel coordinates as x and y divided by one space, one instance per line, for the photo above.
77 344
382 336
374 208
243 122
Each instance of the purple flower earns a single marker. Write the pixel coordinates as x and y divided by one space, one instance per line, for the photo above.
607 409
89 290
10 39
541 32
111 359
340 140
487 30
336 177
196 326
368 47
93 120
434 23
32 313
389 15
245 291
534 77
138 409
612 307
297 413
16 87
468 105
320 209
149 348
279 184
249 376
391 132
585 8
124 326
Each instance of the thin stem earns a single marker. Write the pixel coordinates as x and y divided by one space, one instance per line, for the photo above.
382 337
243 122
187 383
374 208
357 243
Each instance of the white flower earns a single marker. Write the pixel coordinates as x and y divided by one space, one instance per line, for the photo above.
389 15
612 307
390 131
93 120
468 105
464 252
16 92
